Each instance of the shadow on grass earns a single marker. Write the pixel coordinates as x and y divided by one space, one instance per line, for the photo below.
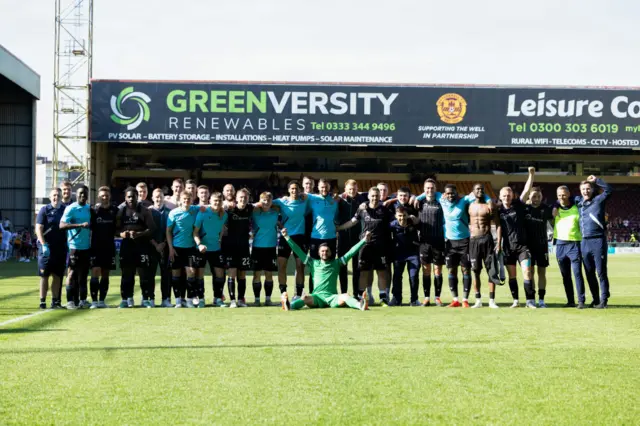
343 345
611 306
21 294
28 330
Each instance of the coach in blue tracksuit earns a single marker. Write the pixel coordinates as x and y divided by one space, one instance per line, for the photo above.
594 236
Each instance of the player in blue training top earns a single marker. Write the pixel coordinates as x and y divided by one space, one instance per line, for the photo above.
52 258
457 234
324 212
76 221
293 210
182 249
265 239
207 234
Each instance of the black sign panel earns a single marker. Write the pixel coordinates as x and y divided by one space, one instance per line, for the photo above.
308 114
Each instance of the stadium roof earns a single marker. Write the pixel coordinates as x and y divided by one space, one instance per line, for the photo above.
19 73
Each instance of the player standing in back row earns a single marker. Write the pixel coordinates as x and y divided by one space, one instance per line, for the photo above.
237 247
103 247
134 224
76 220
481 246
294 211
538 217
53 249
514 240
264 252
373 217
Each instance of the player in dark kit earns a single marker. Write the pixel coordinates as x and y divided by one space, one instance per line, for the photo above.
160 253
405 248
514 240
348 206
432 245
538 218
76 220
103 247
135 225
52 258
237 247
375 218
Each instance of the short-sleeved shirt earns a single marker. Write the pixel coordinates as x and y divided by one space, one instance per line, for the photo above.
239 226
265 228
324 211
183 223
431 222
77 238
293 214
210 224
536 220
160 217
406 241
513 223
103 226
375 220
49 217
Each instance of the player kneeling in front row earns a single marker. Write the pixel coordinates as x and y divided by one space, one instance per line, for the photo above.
325 277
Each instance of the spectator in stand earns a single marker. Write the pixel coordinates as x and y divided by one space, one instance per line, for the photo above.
625 223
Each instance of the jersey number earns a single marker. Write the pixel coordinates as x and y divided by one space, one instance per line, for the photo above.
144 258
246 261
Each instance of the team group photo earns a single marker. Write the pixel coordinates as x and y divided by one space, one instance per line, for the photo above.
319 213
194 236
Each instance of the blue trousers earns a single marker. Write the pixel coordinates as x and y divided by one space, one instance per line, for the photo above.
569 258
594 258
413 265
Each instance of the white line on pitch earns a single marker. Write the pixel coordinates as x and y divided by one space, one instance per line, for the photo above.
14 320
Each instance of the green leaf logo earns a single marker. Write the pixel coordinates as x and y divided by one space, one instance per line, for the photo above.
143 108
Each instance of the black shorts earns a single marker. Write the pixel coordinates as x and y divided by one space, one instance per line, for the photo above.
539 256
431 254
215 259
373 257
517 254
134 254
314 246
79 259
55 264
457 253
185 258
481 249
238 257
284 249
103 257
264 259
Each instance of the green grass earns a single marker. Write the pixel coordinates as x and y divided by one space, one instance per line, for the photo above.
260 365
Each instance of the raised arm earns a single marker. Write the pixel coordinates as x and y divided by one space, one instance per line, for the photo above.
345 259
606 188
528 185
296 249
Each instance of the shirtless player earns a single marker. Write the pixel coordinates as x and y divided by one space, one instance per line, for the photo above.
481 246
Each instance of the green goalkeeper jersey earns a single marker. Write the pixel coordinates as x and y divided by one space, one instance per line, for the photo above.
325 274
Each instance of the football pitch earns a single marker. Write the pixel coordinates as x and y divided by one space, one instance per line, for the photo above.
408 365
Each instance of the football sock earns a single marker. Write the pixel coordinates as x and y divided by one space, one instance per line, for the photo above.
268 288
